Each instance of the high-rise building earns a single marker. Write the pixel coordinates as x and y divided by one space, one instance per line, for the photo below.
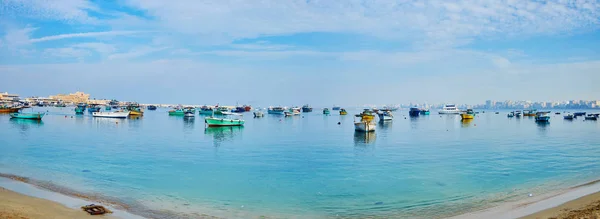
488 104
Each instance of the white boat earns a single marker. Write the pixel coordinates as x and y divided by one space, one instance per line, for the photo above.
287 113
258 114
118 114
188 114
385 115
450 109
296 110
364 126
276 110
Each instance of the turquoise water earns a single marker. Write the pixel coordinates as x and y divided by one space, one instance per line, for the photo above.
303 167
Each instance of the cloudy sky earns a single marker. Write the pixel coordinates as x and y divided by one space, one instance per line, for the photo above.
270 52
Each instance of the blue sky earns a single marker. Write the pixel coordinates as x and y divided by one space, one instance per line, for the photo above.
311 51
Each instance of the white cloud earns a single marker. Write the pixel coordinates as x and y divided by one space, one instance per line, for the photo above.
101 48
18 37
63 10
136 52
67 52
80 35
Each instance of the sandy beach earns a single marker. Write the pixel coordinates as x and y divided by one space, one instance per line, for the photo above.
18 206
584 207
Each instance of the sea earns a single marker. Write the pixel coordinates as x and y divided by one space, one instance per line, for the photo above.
306 166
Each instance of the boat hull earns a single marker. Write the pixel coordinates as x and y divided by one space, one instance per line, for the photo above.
136 113
206 112
467 116
276 112
189 114
542 119
214 122
364 127
307 109
32 116
449 112
591 118
424 112
116 115
385 118
9 110
258 114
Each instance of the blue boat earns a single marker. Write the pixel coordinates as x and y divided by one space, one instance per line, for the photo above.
205 110
276 110
94 108
151 107
336 108
579 114
424 112
307 109
542 116
80 108
239 109
414 111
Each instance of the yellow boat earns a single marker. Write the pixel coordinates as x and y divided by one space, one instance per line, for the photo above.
469 114
135 110
366 116
343 112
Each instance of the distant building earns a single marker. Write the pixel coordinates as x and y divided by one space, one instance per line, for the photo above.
7 98
76 97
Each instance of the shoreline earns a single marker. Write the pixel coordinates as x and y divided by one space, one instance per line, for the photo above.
540 206
548 205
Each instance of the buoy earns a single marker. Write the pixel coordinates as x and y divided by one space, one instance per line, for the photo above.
339 123
474 124
117 122
530 195
65 116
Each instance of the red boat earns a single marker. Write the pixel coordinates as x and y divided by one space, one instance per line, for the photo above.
247 108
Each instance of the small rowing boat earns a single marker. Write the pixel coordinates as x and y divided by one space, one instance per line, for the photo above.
34 116
117 114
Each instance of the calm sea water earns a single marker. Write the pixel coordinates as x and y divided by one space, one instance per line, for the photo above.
306 166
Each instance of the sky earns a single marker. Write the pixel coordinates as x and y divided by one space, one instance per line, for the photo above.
292 52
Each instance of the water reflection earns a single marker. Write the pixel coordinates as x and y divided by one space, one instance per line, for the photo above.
413 122
188 122
26 124
465 122
385 125
222 134
364 138
542 126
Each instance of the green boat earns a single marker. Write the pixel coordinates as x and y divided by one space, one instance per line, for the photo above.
181 111
221 110
326 111
214 122
79 110
34 116
107 108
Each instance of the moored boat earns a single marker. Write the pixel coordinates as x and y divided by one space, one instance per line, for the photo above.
424 112
449 109
134 109
385 115
189 112
343 112
576 114
107 108
205 110
295 110
414 111
80 108
33 116
277 110
7 109
511 114
94 108
247 108
532 112
151 107
287 113
542 116
117 114
239 109
258 114
221 110
336 108
569 116
592 116
180 111
366 122
326 111
469 114
212 121
307 109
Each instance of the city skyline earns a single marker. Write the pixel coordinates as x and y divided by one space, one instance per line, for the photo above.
319 52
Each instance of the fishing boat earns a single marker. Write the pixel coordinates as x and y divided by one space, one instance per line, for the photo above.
343 112
114 104
511 114
287 113
576 114
592 116
449 109
33 116
134 109
247 108
94 108
497 112
295 110
532 112
307 109
117 114
557 113
205 110
277 110
80 108
239 109
189 112
391 108
385 115
151 107
569 116
424 112
229 121
258 114
60 104
542 116
518 114
326 111
469 114
180 111
366 122
221 110
7 109
336 107
414 111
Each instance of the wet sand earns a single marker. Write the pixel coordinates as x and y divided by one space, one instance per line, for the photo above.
18 206
584 207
